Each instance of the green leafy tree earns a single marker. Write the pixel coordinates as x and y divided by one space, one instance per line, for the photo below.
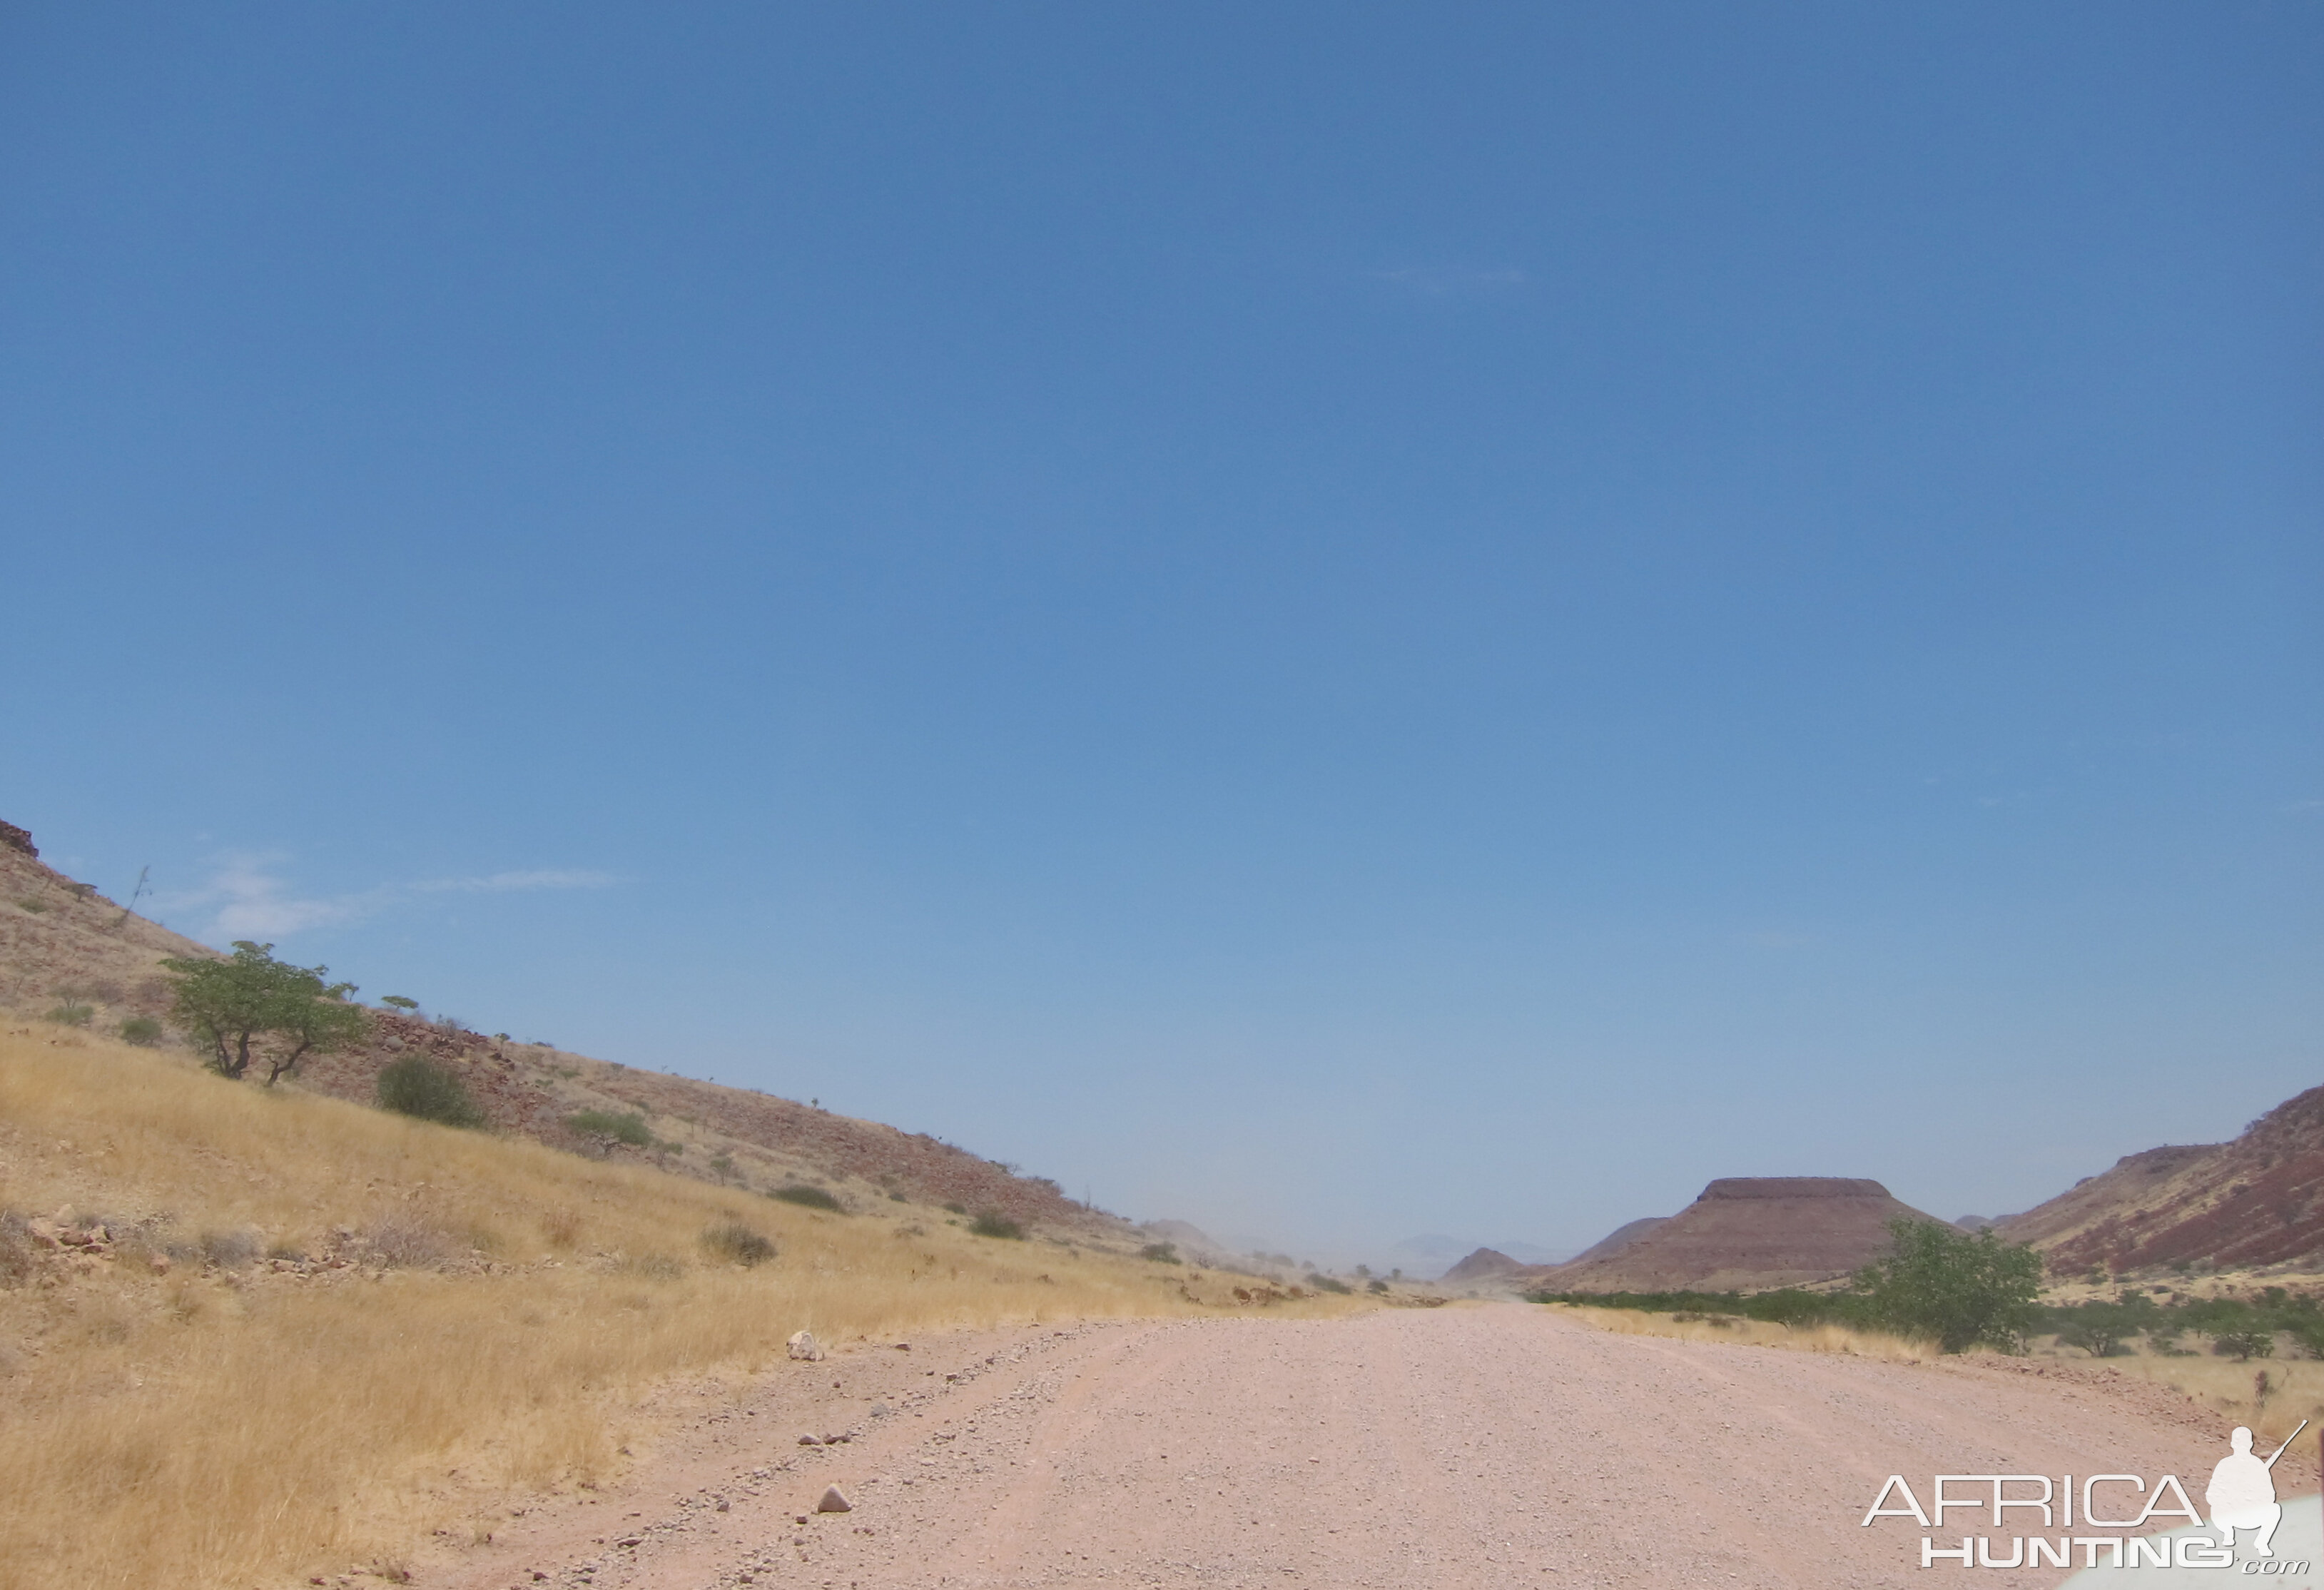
251 1007
1940 1282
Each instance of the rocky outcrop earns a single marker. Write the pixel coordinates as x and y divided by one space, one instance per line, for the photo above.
13 837
1747 1233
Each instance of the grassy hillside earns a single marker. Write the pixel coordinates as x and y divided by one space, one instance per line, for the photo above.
66 949
245 1333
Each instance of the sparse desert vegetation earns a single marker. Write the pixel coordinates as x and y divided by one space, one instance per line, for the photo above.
247 1332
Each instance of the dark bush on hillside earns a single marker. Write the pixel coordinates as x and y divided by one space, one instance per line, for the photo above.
1325 1283
425 1090
1160 1252
1376 1285
629 1129
993 1224
808 1197
2243 1345
144 1031
736 1243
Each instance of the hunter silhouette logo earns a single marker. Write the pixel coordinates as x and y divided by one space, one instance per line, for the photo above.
2241 1493
2241 1496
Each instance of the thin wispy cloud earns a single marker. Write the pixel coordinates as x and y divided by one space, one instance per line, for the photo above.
248 896
508 883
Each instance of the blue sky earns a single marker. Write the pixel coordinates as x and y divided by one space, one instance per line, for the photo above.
1334 621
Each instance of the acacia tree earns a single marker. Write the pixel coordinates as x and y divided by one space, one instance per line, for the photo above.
250 1000
1940 1282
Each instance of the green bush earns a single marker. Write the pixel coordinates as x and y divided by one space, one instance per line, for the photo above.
630 1129
419 1087
72 1014
737 1243
1160 1252
144 1031
2243 1345
989 1224
808 1197
957 1209
1376 1285
1941 1282
1325 1283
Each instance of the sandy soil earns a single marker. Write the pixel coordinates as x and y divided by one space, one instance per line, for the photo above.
1478 1445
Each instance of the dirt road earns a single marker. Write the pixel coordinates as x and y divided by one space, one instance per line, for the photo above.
1464 1446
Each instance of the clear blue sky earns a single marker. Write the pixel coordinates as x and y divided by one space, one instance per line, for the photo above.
1332 620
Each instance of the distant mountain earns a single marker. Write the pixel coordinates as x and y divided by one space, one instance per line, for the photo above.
1435 1249
1744 1233
1485 1265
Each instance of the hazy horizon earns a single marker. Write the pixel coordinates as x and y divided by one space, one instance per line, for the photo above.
1337 623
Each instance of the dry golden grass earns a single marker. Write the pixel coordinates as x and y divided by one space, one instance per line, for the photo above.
221 1429
1736 1331
2294 1390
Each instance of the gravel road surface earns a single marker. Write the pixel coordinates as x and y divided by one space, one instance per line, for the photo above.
1466 1446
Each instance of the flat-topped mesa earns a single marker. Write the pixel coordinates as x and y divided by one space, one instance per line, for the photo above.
1792 1186
1748 1234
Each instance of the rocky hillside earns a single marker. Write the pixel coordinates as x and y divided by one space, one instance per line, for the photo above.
63 944
2256 1201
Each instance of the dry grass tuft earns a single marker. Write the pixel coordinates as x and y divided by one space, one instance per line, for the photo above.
326 1330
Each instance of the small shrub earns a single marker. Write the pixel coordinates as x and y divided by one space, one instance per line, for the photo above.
1325 1283
72 1016
1376 1285
28 904
991 1223
896 1198
737 1243
228 1249
422 1088
2243 1345
957 1209
808 1197
402 1242
630 1129
144 1031
1159 1253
